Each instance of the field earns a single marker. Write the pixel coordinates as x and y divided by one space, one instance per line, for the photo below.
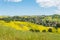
30 28
29 19
7 33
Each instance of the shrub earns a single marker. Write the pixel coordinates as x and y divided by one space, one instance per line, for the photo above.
49 30
37 30
32 30
43 30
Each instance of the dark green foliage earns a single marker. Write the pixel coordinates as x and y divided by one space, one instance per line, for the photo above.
58 25
31 30
7 19
37 30
48 21
43 30
49 30
34 30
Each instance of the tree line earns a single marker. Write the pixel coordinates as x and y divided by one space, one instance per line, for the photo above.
45 20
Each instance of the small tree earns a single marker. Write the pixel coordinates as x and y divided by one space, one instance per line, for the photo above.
49 30
37 30
34 30
7 19
31 30
43 30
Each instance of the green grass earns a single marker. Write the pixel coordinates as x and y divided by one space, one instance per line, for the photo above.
7 33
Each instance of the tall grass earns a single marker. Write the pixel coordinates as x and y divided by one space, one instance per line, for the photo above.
7 33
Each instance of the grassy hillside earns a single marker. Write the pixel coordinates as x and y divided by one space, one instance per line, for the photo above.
7 33
25 26
30 27
45 20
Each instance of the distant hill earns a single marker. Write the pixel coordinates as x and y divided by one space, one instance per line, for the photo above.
45 20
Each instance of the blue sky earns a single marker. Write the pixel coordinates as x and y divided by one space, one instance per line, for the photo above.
27 7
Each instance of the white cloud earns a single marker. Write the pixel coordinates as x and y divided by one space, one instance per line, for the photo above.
13 0
50 3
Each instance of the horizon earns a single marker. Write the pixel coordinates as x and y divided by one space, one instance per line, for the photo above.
31 15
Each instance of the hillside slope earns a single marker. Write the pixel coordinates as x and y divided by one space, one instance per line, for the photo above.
7 33
24 26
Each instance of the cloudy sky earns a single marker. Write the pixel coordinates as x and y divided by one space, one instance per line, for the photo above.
29 7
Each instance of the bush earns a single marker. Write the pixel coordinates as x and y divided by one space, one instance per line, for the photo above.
32 30
37 30
43 30
49 30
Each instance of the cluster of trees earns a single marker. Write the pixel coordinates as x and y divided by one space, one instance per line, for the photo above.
49 30
46 20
